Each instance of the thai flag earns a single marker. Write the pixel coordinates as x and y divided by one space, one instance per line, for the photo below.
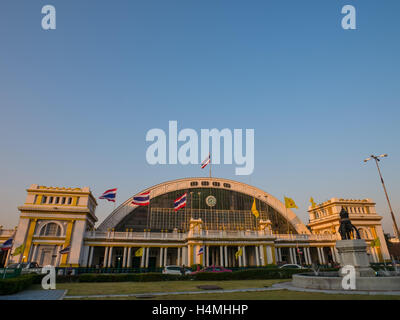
180 202
206 162
201 251
65 250
109 195
7 245
142 199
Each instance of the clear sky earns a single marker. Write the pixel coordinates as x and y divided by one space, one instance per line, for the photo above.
76 102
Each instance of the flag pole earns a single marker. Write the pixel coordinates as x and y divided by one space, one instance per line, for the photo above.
210 163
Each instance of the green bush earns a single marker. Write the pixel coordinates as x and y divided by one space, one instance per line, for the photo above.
128 277
14 285
252 274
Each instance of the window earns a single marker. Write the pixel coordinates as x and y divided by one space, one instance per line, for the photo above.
57 200
216 184
51 200
69 200
194 183
50 229
204 183
44 199
63 200
227 185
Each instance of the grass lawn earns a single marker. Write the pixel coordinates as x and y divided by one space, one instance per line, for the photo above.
78 289
75 289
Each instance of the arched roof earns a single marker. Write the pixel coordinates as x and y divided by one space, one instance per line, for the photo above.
127 207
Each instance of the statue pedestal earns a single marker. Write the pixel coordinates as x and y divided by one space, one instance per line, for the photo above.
354 253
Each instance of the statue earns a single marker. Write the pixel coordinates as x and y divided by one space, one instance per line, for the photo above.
346 228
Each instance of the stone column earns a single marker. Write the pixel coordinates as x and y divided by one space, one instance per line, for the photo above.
244 257
221 256
147 256
110 256
124 258
207 260
161 257
142 258
179 257
90 257
257 256
226 256
280 254
165 256
129 258
105 261
239 259
291 255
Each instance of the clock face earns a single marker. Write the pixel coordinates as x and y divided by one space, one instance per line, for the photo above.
211 201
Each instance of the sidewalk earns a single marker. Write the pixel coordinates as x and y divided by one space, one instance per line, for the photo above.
36 295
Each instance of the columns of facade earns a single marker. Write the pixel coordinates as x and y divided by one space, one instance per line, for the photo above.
129 262
33 256
179 257
147 256
244 257
142 258
257 256
58 258
226 256
323 255
333 254
261 250
124 258
161 262
184 256
308 254
105 257
165 256
90 260
291 255
280 254
110 257
206 262
239 259
221 256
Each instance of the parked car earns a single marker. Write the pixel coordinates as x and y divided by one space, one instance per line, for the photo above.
291 266
175 270
31 267
213 269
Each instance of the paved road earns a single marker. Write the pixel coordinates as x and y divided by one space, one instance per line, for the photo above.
36 295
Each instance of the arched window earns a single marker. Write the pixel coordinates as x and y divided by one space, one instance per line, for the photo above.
51 229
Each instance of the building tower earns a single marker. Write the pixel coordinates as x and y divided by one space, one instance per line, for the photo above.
53 219
324 219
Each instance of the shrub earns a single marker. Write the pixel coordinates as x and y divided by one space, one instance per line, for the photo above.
14 285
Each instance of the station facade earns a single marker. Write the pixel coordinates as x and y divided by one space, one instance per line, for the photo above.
57 227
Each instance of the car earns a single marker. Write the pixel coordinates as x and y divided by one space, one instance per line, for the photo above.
175 270
213 269
27 267
291 266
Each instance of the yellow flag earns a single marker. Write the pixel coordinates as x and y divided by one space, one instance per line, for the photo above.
139 252
254 209
238 253
376 243
289 203
313 204
19 250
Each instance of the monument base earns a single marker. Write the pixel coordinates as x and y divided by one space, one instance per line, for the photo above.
354 253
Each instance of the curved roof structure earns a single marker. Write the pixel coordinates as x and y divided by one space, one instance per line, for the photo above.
127 207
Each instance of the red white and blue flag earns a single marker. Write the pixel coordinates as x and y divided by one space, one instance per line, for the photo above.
142 199
201 251
180 202
7 245
206 162
109 195
65 250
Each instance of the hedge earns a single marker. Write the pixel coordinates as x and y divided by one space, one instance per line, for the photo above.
14 285
250 274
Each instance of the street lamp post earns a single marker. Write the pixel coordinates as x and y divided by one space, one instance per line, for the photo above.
376 158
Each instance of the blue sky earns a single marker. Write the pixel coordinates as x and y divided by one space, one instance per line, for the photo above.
76 103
